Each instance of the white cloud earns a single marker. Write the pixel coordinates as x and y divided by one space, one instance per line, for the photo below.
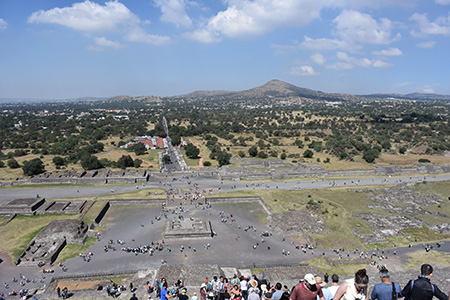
137 34
318 59
87 16
426 45
3 24
428 91
356 27
443 2
402 84
322 44
103 42
174 11
246 18
303 71
92 18
354 30
348 62
388 52
440 26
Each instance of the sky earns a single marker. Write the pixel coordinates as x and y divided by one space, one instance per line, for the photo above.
59 49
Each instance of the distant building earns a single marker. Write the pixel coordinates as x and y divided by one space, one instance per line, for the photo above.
149 142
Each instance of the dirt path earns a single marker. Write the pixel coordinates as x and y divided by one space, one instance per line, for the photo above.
200 162
146 163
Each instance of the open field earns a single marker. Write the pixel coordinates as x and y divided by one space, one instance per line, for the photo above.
73 250
343 269
418 258
22 229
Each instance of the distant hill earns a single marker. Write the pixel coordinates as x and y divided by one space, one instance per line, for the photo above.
411 96
273 88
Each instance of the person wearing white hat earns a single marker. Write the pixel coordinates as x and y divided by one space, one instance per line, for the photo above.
308 289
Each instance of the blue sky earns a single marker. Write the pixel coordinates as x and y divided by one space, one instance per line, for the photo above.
56 49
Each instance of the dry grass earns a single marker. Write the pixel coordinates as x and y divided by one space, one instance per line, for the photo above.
442 259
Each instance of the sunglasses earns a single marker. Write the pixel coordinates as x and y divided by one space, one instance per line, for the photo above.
360 287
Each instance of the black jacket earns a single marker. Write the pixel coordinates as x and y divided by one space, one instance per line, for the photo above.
422 290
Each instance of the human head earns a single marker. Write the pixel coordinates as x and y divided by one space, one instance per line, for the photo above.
309 278
164 284
426 270
361 280
384 272
334 278
319 281
278 286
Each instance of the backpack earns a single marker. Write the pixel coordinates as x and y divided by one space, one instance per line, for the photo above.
412 285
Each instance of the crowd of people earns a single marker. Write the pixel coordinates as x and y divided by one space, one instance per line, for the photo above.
309 288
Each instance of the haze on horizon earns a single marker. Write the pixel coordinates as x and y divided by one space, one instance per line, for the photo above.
59 50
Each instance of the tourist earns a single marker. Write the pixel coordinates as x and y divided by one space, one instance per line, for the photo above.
134 297
203 292
335 284
183 295
253 294
386 290
326 293
422 288
220 288
214 283
308 289
58 291
194 297
354 288
235 293
277 292
164 293
244 287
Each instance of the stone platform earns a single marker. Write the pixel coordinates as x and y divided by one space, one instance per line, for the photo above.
187 229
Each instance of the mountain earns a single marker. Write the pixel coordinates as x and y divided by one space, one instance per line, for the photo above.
281 89
274 89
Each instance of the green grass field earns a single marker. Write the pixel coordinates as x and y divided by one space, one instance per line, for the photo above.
22 229
73 250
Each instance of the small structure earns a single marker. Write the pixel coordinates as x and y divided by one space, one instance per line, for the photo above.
188 229
24 206
51 240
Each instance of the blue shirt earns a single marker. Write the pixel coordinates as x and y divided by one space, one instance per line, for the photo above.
383 291
163 294
326 294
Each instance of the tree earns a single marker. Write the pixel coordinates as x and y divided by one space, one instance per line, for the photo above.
308 153
166 159
125 161
175 139
370 155
138 148
262 154
191 151
2 164
137 163
241 154
33 167
13 164
283 156
90 162
58 161
253 151
206 163
223 158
